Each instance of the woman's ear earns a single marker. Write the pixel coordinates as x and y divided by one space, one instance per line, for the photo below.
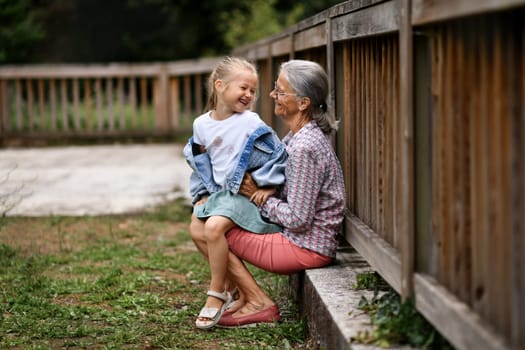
304 104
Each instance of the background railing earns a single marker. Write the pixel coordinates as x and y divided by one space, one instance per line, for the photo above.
100 101
431 99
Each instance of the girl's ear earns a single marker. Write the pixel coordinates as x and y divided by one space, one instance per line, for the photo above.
219 84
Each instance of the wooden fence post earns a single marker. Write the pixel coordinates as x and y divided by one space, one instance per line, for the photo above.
162 100
405 216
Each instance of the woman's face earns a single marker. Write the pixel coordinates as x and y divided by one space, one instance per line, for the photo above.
285 99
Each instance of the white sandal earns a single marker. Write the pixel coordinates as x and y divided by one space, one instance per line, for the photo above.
213 314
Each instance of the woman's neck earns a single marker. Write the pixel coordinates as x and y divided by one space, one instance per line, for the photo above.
298 123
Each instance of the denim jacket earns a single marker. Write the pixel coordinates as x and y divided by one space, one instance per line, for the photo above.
264 156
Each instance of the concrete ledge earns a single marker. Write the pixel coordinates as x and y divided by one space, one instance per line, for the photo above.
330 303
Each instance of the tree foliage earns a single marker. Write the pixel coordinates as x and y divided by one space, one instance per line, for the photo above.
18 30
139 30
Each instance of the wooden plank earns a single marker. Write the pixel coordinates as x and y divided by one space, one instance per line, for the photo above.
405 220
109 102
70 71
283 46
64 104
376 251
144 102
88 104
374 92
499 192
121 104
359 141
53 104
365 180
354 114
460 210
376 20
422 153
395 146
76 105
390 71
5 106
429 11
30 101
464 329
197 93
162 94
187 96
133 101
330 61
157 121
484 256
41 105
518 203
18 105
99 104
312 37
175 103
347 161
447 161
380 137
436 127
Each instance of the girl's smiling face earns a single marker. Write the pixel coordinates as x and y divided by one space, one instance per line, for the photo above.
238 94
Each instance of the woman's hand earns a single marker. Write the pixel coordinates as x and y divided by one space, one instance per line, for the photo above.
248 186
261 195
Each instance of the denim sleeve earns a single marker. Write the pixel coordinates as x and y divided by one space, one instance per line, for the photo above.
197 188
271 173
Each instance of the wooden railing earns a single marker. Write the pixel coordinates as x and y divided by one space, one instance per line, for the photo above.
101 101
430 95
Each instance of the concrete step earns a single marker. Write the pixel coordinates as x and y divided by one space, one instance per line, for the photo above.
329 301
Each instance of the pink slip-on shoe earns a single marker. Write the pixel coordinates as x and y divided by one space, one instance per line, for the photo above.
269 315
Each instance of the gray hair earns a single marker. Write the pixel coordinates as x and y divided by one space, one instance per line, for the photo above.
309 79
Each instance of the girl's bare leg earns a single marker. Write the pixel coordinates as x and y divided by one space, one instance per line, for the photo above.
198 237
215 229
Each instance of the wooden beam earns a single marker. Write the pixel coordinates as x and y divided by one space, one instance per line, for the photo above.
453 318
428 11
404 220
377 252
379 19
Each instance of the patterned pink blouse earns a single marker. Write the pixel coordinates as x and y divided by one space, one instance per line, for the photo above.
311 204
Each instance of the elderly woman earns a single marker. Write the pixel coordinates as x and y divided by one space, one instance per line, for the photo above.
310 206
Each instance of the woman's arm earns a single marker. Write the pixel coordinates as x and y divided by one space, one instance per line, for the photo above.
304 179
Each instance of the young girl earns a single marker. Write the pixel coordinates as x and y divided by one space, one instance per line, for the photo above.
227 141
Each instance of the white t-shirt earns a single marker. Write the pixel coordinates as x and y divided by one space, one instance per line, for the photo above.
224 139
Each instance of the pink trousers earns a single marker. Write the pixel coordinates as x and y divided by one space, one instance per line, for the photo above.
273 252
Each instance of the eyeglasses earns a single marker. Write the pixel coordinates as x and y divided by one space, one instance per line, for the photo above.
278 93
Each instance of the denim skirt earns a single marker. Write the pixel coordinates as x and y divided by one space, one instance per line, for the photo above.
239 209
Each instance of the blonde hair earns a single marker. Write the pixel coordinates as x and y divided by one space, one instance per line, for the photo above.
226 71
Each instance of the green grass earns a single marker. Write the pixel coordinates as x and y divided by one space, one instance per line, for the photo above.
394 322
119 282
